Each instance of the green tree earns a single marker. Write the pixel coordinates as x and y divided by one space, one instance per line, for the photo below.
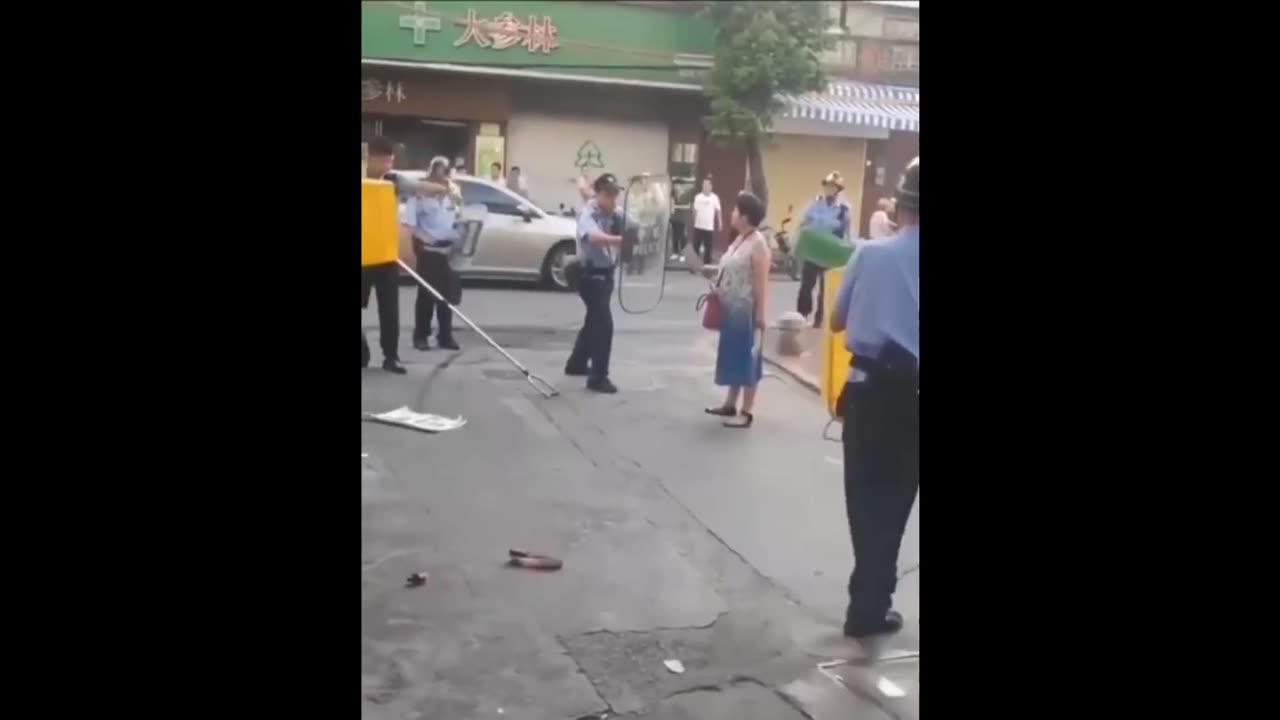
761 49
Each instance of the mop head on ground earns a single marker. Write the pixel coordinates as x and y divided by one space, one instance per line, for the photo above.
424 422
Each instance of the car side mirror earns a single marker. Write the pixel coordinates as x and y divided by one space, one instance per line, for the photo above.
526 212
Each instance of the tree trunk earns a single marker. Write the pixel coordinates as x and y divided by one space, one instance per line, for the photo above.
755 167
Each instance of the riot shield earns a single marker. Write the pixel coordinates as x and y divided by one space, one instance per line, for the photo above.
470 223
642 260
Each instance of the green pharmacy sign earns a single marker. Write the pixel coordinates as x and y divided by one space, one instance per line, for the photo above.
595 39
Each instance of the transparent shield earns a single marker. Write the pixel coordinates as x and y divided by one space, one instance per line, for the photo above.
470 223
642 262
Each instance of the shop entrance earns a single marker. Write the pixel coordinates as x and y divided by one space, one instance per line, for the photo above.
419 140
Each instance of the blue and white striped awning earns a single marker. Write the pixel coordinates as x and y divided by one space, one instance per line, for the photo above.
855 103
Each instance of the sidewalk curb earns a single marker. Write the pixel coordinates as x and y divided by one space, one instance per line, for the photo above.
803 378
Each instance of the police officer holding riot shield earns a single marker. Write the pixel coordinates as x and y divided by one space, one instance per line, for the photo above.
878 307
600 228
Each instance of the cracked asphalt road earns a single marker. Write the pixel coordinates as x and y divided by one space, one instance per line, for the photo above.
727 550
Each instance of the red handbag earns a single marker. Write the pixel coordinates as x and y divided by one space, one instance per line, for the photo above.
709 304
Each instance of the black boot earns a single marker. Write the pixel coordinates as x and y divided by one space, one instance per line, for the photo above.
602 386
860 628
393 366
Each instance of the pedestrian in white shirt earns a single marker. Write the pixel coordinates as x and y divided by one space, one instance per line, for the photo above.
708 218
515 182
881 226
495 175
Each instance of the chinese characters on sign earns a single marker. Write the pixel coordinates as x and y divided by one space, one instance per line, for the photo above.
377 89
506 30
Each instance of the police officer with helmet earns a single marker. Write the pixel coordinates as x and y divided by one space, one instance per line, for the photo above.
600 228
830 213
878 308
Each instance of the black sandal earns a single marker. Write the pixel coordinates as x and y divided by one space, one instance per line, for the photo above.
742 426
722 411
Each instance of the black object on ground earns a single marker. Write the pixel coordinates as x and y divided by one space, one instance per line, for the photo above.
416 580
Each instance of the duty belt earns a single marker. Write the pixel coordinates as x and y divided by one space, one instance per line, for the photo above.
893 365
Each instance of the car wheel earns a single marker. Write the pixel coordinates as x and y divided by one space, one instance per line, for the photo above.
553 275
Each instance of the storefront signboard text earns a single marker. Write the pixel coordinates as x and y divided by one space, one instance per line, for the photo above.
507 30
599 39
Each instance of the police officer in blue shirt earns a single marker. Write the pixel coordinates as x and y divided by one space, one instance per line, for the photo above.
830 214
600 228
878 308
434 234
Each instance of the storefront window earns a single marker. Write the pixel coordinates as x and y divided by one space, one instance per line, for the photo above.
684 160
417 140
901 57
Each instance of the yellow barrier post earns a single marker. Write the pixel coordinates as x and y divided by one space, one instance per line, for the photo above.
379 223
835 358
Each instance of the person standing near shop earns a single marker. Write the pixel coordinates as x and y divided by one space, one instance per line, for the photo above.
708 218
495 175
515 182
600 228
384 279
434 236
878 308
828 213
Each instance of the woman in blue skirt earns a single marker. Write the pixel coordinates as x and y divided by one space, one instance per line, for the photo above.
742 286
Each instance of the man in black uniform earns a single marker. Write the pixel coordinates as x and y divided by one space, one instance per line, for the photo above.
878 308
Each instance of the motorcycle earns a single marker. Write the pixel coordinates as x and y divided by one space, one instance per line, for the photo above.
784 261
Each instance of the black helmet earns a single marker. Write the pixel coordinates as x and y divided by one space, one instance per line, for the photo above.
909 190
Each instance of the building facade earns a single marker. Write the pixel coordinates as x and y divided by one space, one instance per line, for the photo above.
555 88
879 44
866 124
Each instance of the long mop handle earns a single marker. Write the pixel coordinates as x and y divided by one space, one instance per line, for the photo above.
542 386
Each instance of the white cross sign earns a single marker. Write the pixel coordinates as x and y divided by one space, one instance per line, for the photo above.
419 23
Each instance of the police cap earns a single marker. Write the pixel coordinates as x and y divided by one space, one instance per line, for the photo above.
606 183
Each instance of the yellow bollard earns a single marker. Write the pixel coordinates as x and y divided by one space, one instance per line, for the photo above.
835 358
379 223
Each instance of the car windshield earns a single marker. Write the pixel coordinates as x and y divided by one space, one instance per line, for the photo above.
496 199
